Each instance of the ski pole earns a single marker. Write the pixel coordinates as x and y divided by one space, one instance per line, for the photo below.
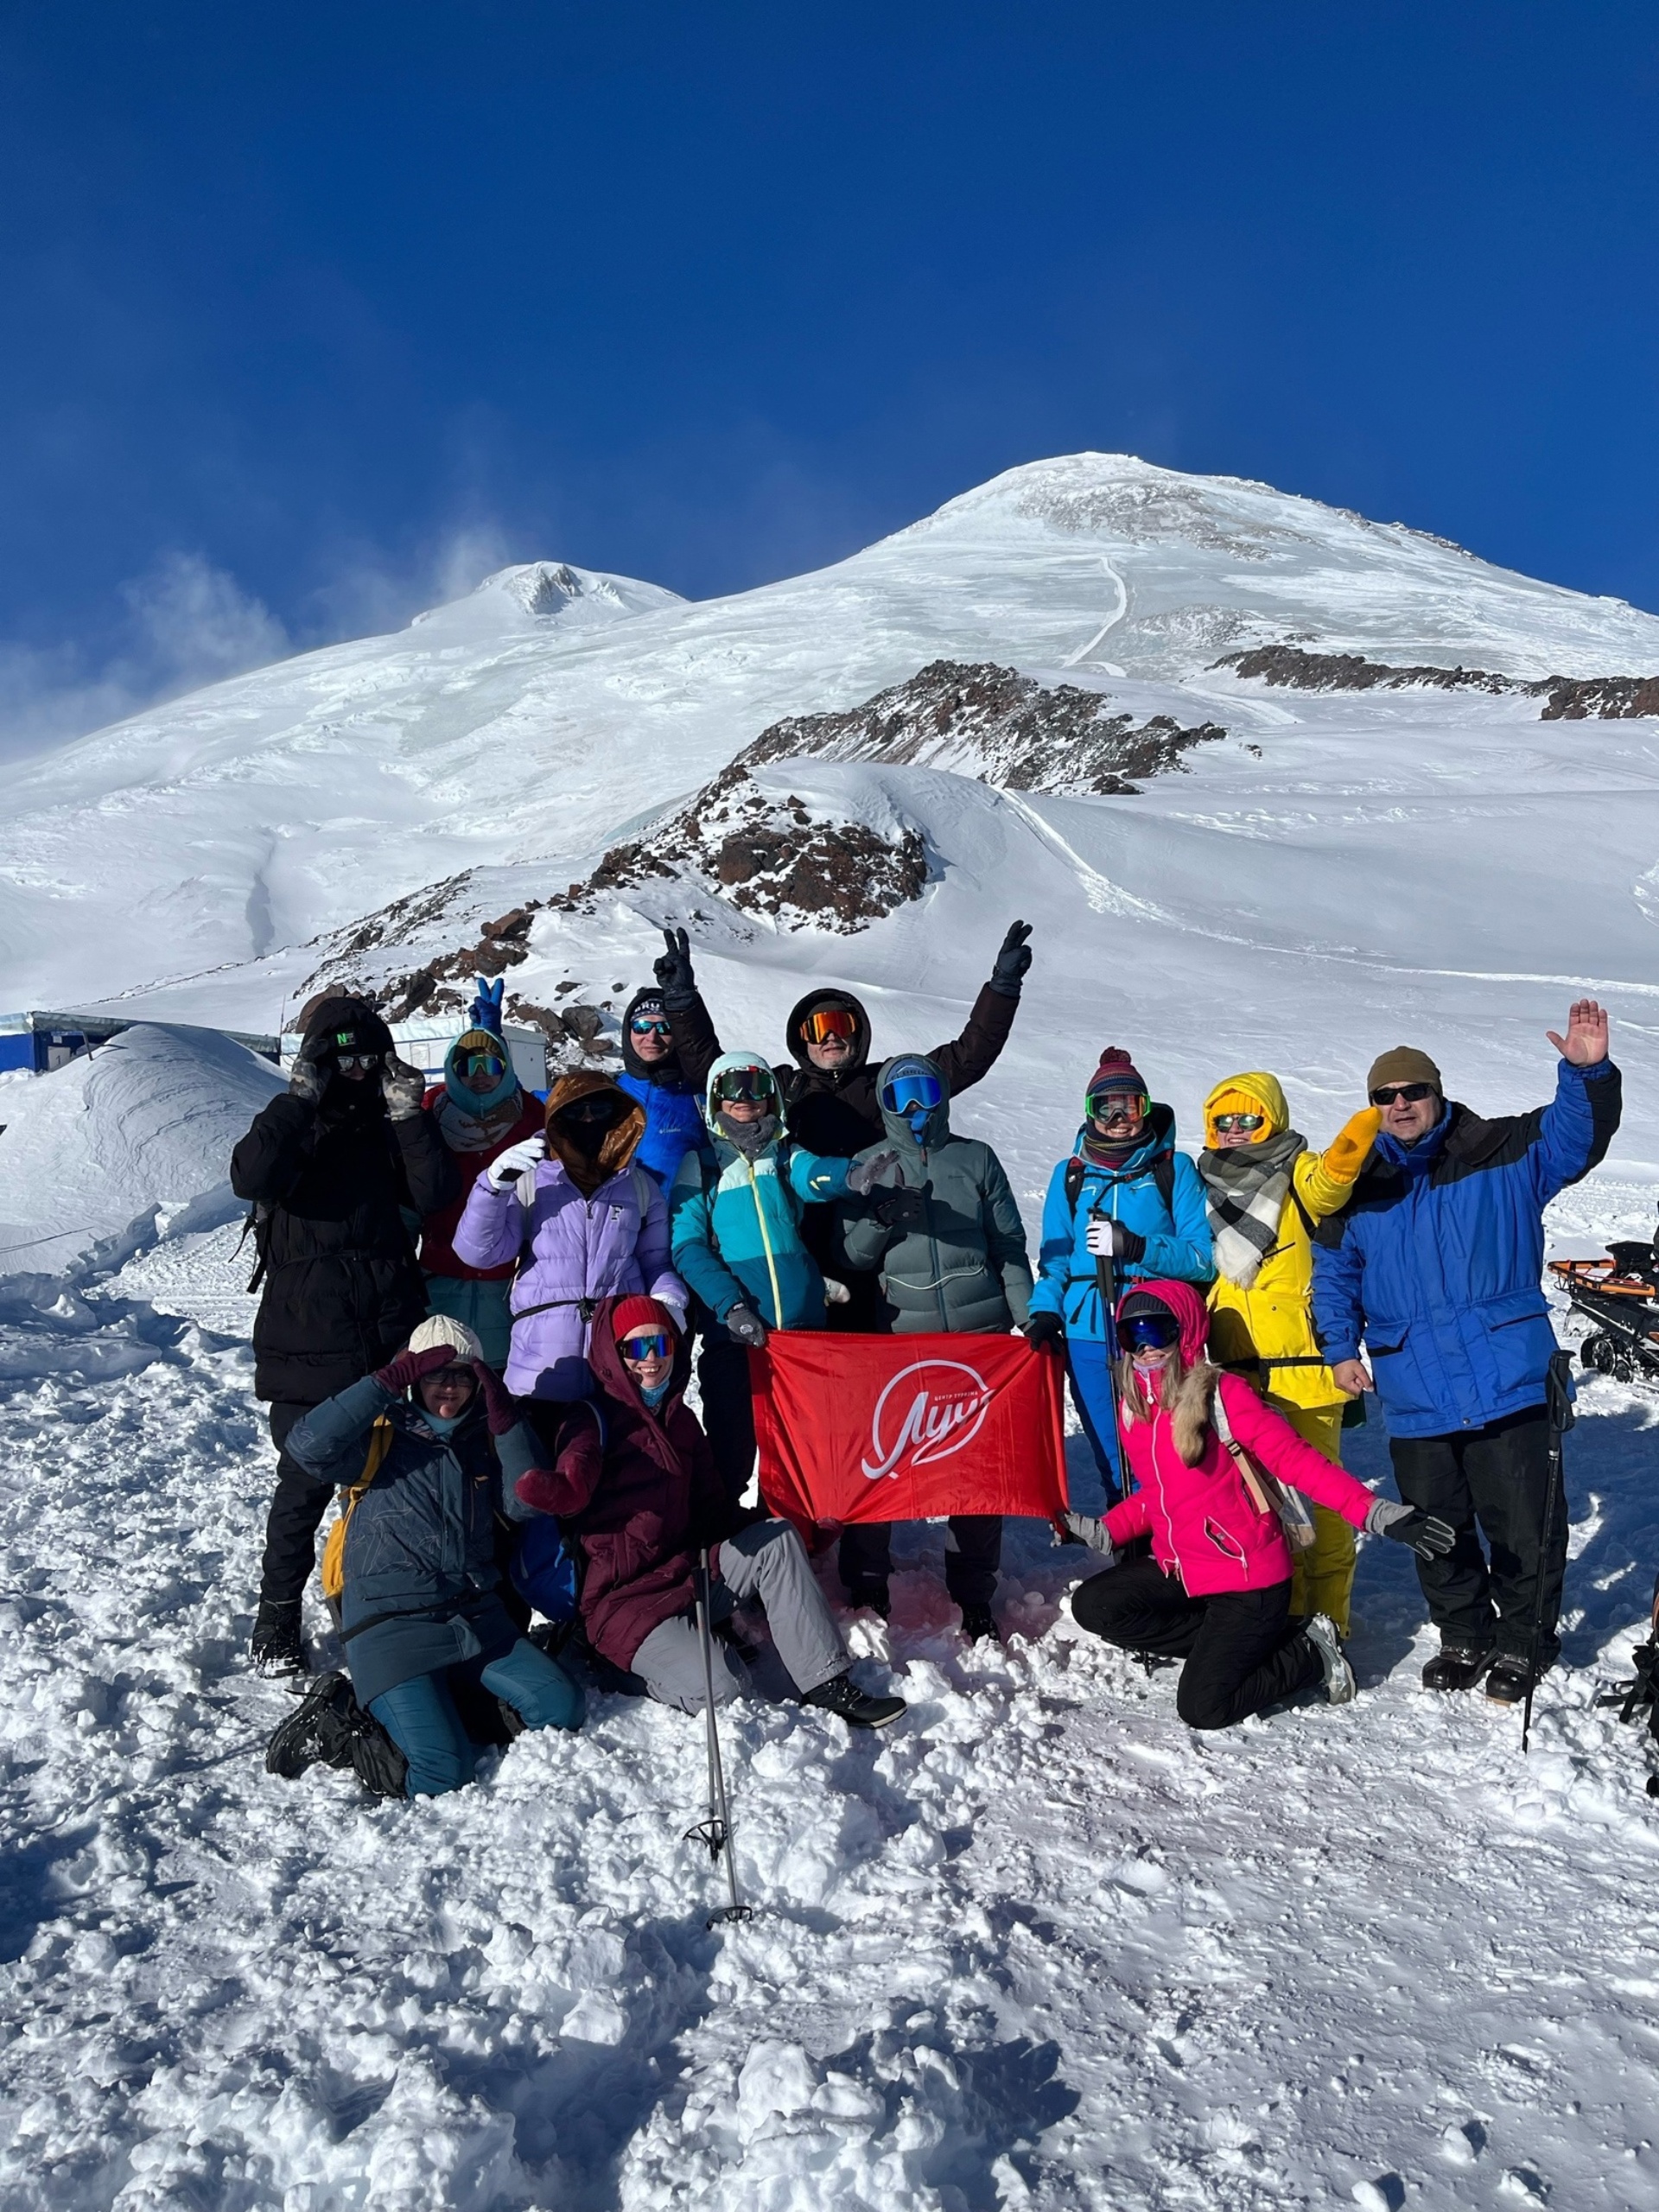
716 1831
1558 1398
1106 1289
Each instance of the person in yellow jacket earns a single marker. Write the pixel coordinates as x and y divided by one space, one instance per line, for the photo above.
1266 1193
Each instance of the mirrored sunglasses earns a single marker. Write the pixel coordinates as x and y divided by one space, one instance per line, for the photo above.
755 1084
366 1061
1240 1120
830 1021
1411 1092
912 1091
1117 1105
650 1025
654 1345
489 1064
1151 1332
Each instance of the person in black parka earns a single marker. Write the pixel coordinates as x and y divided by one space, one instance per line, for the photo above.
828 1087
332 1167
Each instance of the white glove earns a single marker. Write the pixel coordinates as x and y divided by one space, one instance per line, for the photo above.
520 1159
883 1167
836 1294
1110 1240
1094 1533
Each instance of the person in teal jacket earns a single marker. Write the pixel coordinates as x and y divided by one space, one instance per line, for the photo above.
1126 1199
735 1215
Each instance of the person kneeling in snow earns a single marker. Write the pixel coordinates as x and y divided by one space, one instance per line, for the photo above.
429 1446
634 1487
1215 1591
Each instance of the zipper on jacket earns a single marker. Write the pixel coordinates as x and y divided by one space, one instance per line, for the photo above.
765 1246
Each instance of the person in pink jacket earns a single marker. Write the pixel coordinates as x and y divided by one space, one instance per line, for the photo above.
1215 1591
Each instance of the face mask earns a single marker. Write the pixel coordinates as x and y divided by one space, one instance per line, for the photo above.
654 1397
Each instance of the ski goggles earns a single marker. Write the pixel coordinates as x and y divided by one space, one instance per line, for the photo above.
910 1090
1239 1121
366 1061
754 1084
481 1063
650 1344
1150 1333
830 1021
650 1025
597 1106
1117 1105
1409 1092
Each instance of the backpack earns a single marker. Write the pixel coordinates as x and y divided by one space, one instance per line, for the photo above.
1163 1176
1267 1493
333 1551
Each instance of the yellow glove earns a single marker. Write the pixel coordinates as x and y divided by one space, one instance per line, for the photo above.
1351 1148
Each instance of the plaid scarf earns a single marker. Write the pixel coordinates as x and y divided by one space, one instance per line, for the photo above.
1245 1189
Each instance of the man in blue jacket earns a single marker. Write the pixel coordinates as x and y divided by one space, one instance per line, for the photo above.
1436 1264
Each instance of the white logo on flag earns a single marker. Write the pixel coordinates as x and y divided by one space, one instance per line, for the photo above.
932 1408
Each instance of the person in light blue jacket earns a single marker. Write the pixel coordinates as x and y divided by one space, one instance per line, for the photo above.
1125 1199
736 1211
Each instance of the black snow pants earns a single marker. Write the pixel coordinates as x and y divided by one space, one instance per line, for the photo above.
973 1552
1241 1653
297 1508
728 1409
1490 1481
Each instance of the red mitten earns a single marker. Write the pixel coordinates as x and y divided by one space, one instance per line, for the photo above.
539 1490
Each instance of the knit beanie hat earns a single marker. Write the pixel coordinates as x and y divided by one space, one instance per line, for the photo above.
438 1329
1142 1301
646 1002
1116 1072
1405 1064
639 1312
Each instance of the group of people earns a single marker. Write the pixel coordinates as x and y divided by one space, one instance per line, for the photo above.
479 1313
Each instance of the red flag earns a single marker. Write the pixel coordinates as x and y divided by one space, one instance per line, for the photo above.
903 1428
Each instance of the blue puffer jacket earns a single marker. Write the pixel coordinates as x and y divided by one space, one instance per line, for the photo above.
1435 1261
672 1103
421 1578
1177 1232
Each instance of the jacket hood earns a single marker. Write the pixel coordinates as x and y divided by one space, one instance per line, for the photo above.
812 1003
667 1069
472 1102
347 1013
726 1062
1184 1303
1262 1092
937 1127
611 1370
621 1138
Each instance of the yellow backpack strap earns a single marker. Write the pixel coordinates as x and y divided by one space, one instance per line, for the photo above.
333 1551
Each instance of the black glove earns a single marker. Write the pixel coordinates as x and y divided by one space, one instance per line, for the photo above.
673 970
1013 959
745 1324
1044 1329
900 1209
1428 1537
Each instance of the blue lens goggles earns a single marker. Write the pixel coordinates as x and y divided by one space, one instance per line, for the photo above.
1150 1331
646 1346
909 1091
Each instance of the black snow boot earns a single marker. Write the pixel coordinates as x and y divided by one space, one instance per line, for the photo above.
275 1648
1509 1681
1455 1667
842 1696
979 1621
331 1729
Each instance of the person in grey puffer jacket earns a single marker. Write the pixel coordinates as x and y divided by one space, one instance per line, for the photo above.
949 1249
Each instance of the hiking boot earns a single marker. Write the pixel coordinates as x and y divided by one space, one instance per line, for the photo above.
1339 1684
842 1696
978 1622
275 1648
1456 1668
315 1732
1509 1681
869 1597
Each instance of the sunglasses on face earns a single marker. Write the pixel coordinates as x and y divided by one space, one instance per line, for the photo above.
754 1084
1151 1332
1240 1120
452 1378
653 1346
489 1064
910 1090
649 1025
1411 1092
595 1107
365 1060
1117 1105
830 1021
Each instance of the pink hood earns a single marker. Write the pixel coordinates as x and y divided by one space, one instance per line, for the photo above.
1184 1303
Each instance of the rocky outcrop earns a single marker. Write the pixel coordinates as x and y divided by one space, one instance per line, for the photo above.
1566 698
1602 698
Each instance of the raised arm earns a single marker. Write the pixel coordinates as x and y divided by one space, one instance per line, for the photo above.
689 1022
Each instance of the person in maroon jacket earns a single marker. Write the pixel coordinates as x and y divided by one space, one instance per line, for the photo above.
828 1085
481 1109
635 1491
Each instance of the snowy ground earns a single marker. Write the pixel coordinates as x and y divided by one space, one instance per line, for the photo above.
1040 1946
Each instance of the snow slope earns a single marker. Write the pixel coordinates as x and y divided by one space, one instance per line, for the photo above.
530 723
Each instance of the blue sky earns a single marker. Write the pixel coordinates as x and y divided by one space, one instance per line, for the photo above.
312 313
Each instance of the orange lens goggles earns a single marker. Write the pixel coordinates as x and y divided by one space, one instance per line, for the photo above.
828 1022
